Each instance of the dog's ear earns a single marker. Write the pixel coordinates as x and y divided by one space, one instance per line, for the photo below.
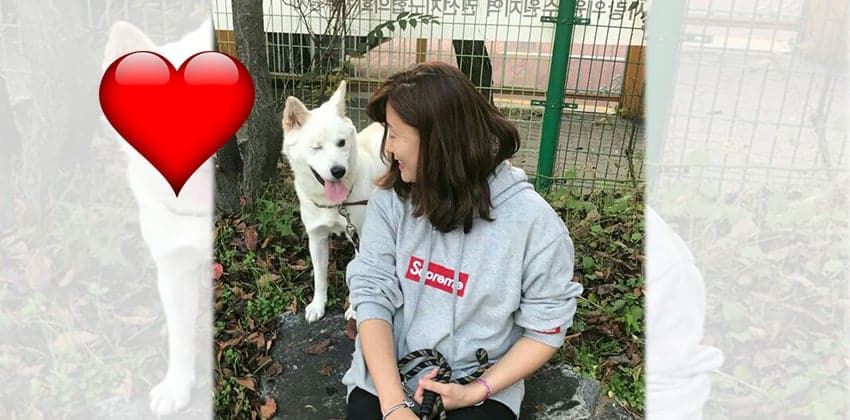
201 39
295 114
338 99
124 37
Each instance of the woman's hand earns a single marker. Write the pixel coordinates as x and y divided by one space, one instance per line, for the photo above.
454 395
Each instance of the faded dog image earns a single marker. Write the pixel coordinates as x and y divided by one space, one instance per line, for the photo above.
177 229
104 286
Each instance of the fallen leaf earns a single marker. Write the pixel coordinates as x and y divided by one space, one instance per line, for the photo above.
268 408
257 338
274 369
250 238
318 348
293 306
125 389
34 370
140 315
247 383
37 270
217 271
351 328
299 265
326 370
267 279
67 278
230 343
266 242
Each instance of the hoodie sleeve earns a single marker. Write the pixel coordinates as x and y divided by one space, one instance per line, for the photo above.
373 286
548 300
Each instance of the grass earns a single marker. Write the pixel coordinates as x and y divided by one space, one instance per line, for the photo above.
266 263
79 308
266 272
606 340
774 261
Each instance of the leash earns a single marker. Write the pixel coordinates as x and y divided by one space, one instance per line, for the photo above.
432 403
350 229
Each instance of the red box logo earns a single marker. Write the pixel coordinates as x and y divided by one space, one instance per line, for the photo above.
438 277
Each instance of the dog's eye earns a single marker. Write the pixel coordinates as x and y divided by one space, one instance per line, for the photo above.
340 143
317 147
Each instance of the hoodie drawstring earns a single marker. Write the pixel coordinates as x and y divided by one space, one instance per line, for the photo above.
422 277
455 287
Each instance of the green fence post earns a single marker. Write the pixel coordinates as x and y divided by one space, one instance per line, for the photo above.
555 94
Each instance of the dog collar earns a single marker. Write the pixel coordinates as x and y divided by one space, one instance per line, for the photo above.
343 204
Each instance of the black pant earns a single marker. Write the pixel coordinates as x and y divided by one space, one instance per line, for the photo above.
365 406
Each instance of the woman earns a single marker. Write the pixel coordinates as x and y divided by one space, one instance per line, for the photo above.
499 259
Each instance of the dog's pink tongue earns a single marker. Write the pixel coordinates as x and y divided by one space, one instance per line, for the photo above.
335 191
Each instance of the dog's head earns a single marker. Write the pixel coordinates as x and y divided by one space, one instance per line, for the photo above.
146 182
321 145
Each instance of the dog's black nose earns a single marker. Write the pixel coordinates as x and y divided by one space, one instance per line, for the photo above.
338 172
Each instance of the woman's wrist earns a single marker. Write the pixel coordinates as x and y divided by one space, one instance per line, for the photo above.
405 404
391 399
478 393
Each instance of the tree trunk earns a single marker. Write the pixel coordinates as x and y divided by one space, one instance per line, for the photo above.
261 137
227 177
9 146
63 105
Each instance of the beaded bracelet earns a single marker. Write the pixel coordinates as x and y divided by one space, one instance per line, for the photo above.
484 382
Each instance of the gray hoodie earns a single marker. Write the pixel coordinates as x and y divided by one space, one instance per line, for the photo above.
512 278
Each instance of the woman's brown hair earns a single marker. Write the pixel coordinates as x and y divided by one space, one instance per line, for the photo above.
462 139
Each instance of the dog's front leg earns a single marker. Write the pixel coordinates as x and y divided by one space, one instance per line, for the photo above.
319 255
178 289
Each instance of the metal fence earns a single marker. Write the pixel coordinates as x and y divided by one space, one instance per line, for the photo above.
757 93
505 47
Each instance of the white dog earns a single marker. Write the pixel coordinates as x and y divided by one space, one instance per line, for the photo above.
332 165
177 230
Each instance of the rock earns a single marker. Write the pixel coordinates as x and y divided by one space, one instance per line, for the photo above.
310 386
556 392
303 391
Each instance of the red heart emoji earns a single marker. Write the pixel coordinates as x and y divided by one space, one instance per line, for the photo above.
176 119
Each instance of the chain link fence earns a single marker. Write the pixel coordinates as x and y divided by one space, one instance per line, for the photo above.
505 47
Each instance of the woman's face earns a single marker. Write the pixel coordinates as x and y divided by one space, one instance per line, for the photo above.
403 143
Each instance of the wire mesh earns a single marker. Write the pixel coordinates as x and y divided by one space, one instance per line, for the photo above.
780 117
505 48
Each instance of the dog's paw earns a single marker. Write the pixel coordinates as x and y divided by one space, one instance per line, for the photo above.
170 396
350 313
315 310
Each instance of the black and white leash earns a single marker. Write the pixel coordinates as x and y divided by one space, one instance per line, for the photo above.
350 229
432 403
